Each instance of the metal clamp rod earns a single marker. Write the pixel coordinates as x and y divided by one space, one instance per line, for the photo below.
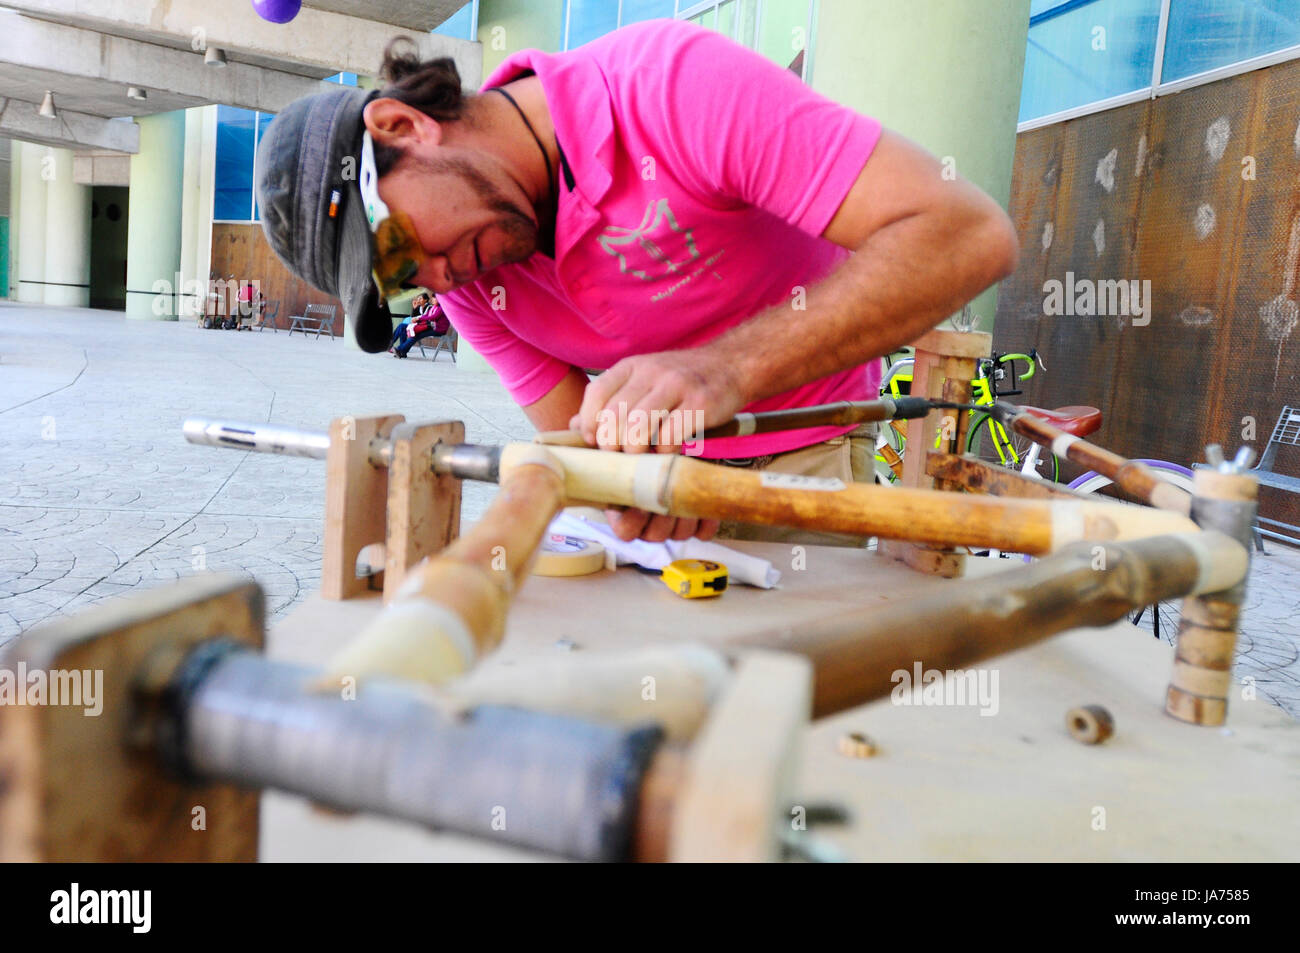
260 438
540 781
843 413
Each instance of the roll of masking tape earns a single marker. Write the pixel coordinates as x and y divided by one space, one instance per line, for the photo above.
568 556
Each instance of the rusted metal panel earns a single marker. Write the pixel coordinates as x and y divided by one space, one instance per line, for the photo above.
242 251
1201 199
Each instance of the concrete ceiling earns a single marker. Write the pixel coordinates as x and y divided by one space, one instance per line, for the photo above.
182 43
88 52
93 96
421 15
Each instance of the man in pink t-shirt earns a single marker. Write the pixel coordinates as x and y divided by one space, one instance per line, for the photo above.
662 205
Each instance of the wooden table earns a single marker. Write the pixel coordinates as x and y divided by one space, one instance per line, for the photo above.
948 783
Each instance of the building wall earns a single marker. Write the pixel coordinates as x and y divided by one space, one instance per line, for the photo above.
1199 194
242 251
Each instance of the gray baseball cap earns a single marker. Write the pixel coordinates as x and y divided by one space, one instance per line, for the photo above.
310 201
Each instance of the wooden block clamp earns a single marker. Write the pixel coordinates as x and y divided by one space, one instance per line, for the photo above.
945 363
379 486
74 786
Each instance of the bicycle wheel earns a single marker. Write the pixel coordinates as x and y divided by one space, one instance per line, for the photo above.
990 442
1160 619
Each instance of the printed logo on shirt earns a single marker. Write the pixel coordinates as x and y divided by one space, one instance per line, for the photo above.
657 248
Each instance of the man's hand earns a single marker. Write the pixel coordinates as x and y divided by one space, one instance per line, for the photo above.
629 524
658 401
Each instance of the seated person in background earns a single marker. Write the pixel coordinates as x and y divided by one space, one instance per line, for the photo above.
430 321
418 304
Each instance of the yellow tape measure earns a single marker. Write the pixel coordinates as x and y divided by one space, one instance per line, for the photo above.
695 578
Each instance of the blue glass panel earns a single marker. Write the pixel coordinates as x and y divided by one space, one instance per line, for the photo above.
589 19
460 24
1087 52
634 11
233 196
1206 34
1043 6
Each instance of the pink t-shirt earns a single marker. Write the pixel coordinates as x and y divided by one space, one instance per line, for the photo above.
702 178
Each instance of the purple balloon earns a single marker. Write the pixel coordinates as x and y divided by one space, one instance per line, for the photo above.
277 11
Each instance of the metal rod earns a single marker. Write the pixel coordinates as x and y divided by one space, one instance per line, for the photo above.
540 781
843 413
260 438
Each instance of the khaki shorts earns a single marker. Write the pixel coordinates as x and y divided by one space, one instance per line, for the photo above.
850 458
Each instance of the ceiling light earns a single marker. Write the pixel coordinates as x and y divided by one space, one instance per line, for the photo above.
214 57
47 106
135 92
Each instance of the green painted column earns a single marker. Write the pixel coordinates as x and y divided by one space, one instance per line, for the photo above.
67 235
508 26
15 186
153 255
4 256
37 164
199 183
944 73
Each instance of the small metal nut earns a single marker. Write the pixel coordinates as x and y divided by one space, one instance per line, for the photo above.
854 744
1089 724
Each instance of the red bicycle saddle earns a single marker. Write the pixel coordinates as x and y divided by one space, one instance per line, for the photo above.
1079 421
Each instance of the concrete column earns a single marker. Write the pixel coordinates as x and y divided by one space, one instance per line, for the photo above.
947 75
507 26
198 183
31 224
153 256
67 236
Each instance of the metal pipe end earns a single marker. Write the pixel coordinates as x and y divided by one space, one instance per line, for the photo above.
196 429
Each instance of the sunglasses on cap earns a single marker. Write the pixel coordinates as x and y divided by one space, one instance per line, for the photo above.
396 254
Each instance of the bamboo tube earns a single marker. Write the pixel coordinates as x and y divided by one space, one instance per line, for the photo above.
856 656
1207 629
682 486
605 686
1133 477
451 609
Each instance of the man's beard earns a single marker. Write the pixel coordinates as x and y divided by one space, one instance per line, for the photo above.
519 229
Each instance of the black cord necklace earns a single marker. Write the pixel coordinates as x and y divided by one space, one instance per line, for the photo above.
546 159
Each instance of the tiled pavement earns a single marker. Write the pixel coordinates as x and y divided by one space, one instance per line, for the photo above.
100 494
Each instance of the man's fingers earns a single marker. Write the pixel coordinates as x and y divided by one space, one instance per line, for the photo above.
659 528
684 529
627 524
596 397
708 529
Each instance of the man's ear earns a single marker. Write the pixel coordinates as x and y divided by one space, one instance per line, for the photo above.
394 123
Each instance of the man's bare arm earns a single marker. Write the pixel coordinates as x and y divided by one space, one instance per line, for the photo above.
922 245
557 407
